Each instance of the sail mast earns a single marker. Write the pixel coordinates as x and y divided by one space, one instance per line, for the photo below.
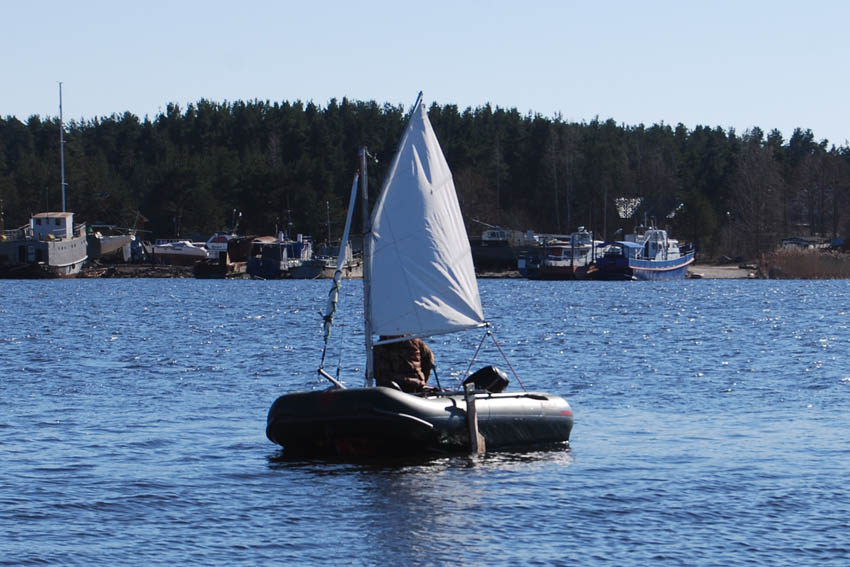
62 146
367 264
367 255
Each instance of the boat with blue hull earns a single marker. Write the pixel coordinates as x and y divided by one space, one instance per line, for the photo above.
418 281
650 255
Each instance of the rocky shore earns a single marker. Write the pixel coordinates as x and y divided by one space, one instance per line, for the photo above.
136 271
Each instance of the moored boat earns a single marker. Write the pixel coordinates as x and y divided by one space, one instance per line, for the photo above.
647 255
51 245
419 281
272 257
229 261
108 247
498 249
178 252
570 259
323 265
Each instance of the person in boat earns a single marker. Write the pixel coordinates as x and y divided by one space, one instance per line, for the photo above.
405 364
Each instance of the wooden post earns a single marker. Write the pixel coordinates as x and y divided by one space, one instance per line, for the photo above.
476 440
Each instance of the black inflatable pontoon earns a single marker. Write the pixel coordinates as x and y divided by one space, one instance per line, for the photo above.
384 421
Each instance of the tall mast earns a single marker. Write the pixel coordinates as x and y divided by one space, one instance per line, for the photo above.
367 249
62 146
367 262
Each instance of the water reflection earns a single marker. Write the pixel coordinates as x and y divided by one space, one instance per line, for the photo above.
426 510
560 454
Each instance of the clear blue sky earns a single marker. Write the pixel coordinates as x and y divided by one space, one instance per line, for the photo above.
773 64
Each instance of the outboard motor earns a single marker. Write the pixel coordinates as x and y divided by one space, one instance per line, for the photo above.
489 378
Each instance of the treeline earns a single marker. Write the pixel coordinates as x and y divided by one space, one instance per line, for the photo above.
288 166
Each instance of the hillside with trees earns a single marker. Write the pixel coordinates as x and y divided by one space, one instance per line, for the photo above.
288 166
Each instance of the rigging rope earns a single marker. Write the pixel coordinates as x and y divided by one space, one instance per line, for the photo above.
333 295
339 360
508 362
474 357
489 333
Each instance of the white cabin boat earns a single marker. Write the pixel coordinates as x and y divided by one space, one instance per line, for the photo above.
50 246
176 252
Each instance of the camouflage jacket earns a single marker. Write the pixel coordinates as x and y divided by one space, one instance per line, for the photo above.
407 363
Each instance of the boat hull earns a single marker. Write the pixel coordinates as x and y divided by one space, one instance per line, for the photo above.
177 258
497 256
556 272
35 259
103 247
383 421
644 270
487 255
319 269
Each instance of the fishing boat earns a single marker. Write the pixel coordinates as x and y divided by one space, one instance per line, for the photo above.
326 261
327 258
273 257
418 281
229 261
646 255
566 259
498 249
51 246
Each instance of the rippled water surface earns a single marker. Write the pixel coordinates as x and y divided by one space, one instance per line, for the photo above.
711 429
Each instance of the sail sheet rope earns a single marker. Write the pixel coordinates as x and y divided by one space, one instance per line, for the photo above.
489 333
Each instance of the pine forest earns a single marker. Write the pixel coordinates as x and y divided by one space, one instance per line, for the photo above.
288 166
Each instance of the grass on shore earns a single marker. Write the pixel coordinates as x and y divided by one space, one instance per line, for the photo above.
805 264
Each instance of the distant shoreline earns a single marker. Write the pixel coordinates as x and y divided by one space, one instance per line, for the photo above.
696 271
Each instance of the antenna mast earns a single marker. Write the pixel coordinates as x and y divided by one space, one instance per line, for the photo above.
62 146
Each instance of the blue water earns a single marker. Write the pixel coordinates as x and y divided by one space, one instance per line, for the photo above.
711 429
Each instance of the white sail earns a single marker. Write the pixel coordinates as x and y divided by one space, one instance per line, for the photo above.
421 276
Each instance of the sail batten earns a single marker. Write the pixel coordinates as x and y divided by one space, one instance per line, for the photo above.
422 277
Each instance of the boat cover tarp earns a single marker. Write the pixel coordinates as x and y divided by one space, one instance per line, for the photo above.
629 244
